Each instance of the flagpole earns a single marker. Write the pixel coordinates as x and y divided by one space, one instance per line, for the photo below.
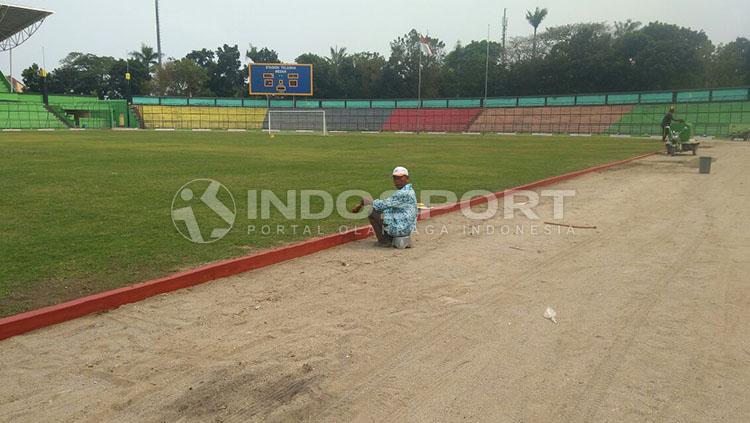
487 67
12 87
419 83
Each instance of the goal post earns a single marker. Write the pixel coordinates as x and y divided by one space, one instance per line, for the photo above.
297 120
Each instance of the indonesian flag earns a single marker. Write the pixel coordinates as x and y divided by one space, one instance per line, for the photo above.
424 46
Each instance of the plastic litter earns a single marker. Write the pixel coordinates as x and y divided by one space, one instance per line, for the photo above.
550 314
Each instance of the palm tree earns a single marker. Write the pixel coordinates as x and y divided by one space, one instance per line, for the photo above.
338 54
147 56
535 19
622 28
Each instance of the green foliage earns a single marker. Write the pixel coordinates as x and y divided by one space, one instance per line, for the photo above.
147 57
572 58
203 58
32 79
182 78
345 76
535 19
324 85
626 27
89 74
263 55
401 72
116 86
367 71
463 71
226 77
731 64
665 56
579 62
82 74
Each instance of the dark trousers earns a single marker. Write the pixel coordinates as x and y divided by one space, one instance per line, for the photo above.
664 133
376 220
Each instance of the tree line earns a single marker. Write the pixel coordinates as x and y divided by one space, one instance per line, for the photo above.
575 58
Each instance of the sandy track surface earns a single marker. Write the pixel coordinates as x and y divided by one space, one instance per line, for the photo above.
652 309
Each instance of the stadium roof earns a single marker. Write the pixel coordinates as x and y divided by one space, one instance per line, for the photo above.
18 23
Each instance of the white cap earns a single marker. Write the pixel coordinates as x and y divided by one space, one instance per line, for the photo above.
400 171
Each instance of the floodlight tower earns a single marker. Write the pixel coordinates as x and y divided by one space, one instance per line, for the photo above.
505 31
158 33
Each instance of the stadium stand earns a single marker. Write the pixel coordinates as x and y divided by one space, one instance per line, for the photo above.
4 83
428 120
27 116
27 111
336 120
709 119
562 119
712 112
201 117
356 119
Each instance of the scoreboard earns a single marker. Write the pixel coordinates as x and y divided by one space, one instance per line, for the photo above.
281 79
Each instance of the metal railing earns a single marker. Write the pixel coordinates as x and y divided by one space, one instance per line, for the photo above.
589 99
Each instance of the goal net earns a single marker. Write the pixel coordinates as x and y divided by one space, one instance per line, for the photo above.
297 120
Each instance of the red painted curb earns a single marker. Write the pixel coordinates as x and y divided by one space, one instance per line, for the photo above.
36 319
437 211
47 316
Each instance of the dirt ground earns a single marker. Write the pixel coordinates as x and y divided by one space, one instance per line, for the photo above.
652 310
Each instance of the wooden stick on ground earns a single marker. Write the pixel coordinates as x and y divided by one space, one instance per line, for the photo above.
570 226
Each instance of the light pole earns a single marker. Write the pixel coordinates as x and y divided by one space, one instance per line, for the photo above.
158 33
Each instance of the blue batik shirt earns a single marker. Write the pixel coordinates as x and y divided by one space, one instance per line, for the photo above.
399 211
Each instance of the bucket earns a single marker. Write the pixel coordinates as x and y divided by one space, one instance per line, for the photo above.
704 164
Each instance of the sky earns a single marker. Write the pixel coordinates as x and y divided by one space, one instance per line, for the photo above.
293 27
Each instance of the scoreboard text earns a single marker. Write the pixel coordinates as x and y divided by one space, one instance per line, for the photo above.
281 79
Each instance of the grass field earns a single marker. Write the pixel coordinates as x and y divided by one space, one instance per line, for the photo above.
87 212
